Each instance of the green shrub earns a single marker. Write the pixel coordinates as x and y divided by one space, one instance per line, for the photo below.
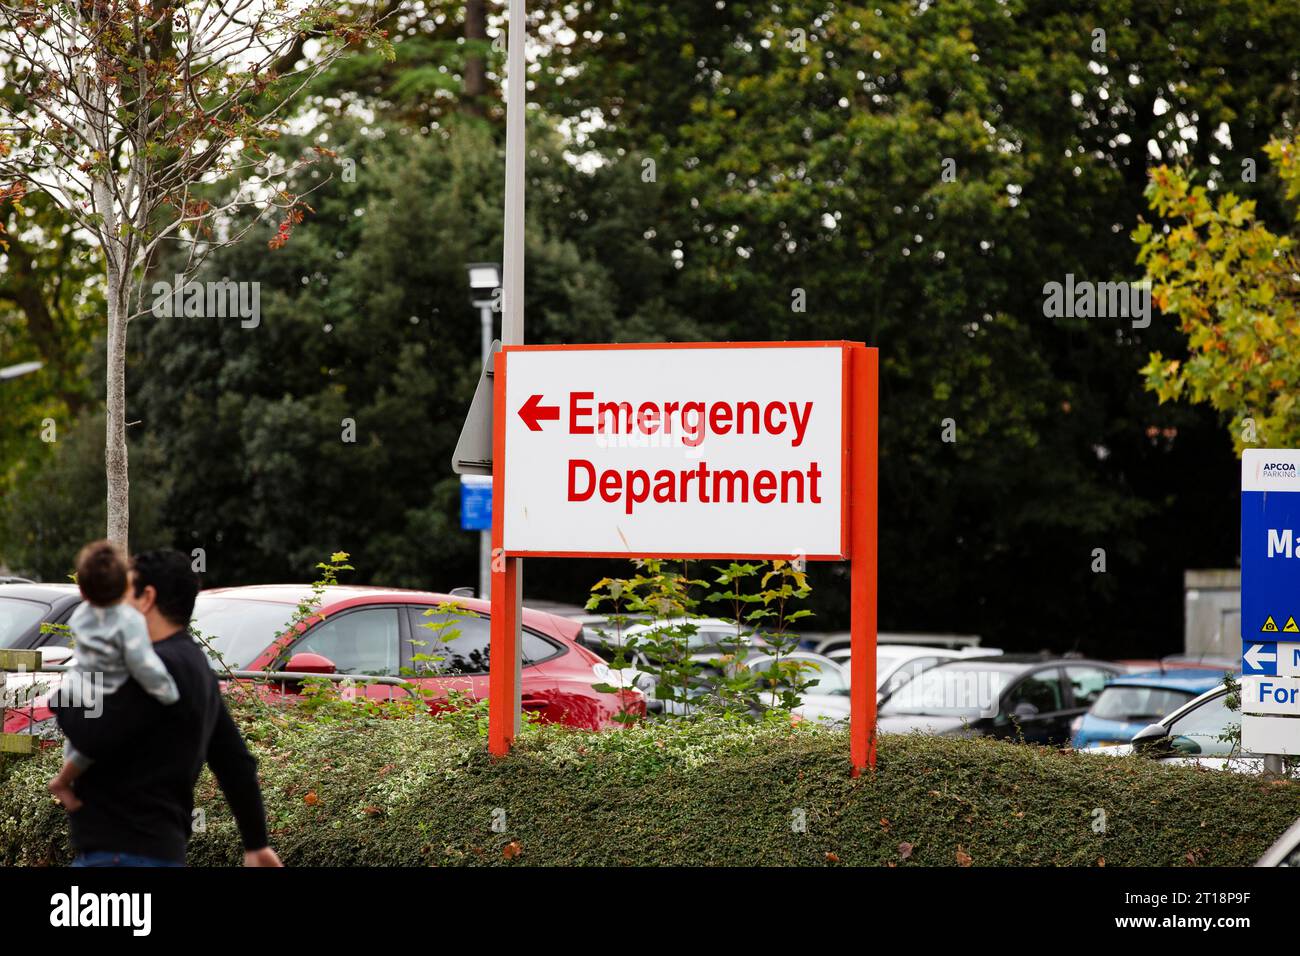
423 791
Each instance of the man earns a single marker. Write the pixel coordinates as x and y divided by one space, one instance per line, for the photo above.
138 794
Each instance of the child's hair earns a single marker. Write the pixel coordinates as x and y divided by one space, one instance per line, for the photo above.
101 573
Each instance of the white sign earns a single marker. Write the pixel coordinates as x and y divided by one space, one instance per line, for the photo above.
1271 695
1288 659
1270 735
676 451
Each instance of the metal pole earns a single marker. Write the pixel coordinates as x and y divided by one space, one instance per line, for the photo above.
505 659
512 319
485 537
485 328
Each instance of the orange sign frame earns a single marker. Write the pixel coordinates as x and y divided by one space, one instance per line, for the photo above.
859 511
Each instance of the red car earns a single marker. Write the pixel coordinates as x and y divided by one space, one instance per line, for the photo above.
384 632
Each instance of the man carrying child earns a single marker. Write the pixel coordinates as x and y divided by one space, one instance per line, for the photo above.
129 782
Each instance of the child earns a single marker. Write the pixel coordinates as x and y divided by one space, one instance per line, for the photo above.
110 640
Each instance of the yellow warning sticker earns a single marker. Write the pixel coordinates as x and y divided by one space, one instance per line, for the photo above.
1291 627
1270 626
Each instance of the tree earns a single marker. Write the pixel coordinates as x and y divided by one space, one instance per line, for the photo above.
127 114
56 503
50 303
762 120
366 319
444 64
1233 285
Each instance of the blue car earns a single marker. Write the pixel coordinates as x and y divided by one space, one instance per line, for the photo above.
1128 704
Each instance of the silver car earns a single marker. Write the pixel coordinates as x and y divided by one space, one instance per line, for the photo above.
1286 851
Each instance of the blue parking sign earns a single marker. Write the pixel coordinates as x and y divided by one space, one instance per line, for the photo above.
1270 561
476 502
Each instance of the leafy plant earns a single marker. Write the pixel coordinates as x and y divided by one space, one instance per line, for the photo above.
658 599
308 610
787 680
1231 282
306 613
691 680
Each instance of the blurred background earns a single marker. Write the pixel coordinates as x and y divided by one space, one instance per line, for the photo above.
690 166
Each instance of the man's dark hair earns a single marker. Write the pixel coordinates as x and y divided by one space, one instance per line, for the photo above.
101 573
174 581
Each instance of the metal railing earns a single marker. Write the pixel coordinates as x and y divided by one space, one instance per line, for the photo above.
297 676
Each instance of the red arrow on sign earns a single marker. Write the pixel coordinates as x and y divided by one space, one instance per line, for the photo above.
534 413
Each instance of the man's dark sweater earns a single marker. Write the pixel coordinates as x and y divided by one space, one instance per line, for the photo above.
138 795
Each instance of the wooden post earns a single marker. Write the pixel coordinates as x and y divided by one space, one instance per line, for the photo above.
21 661
23 744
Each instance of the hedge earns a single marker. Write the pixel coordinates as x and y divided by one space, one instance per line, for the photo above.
423 792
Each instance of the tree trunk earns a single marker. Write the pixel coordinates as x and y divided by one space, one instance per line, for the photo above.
475 68
115 464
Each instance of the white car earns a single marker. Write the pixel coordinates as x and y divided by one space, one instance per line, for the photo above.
827 699
1202 732
705 644
710 636
896 664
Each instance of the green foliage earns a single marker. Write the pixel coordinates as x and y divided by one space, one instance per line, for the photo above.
661 596
422 792
776 167
50 303
364 316
420 84
783 680
307 611
57 502
1232 283
697 683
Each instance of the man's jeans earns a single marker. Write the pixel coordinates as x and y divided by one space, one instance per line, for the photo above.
109 858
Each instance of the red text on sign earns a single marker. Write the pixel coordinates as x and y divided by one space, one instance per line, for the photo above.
698 484
693 420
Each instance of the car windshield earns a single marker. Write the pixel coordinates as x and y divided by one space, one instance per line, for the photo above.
904 673
237 630
885 664
1138 704
17 617
956 689
701 638
1211 729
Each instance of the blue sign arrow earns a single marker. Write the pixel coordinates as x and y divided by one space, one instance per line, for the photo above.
1259 659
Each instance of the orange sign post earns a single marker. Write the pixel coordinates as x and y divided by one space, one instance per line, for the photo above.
864 392
758 450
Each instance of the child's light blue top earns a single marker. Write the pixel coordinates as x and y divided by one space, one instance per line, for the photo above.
114 642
